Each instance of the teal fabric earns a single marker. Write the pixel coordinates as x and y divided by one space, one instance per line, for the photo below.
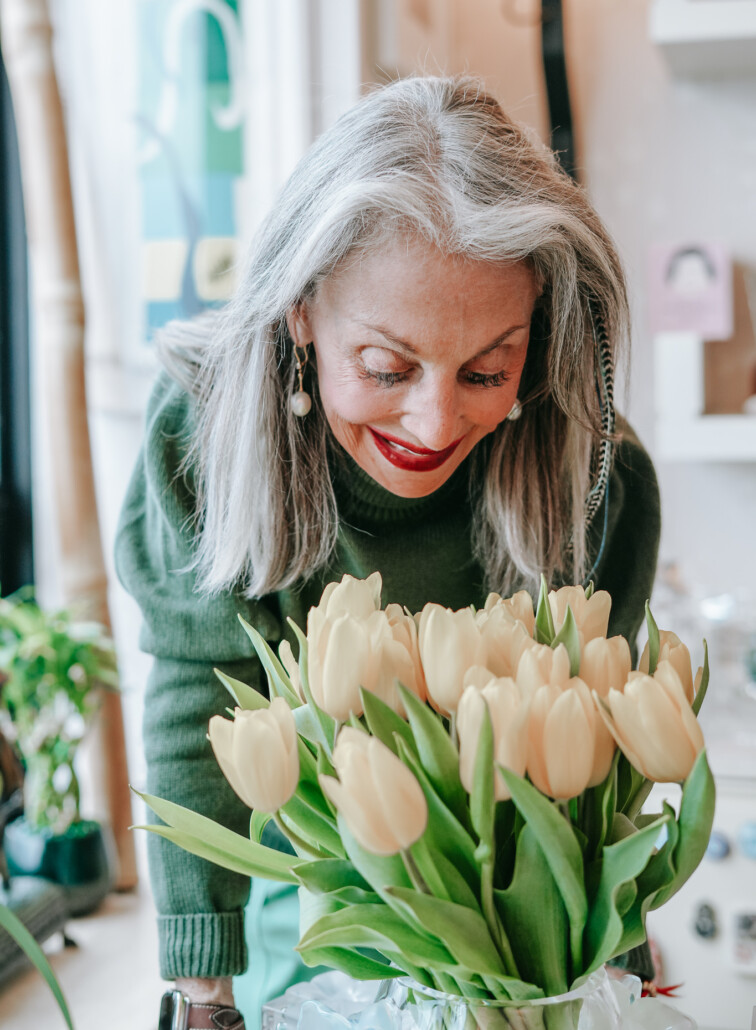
421 547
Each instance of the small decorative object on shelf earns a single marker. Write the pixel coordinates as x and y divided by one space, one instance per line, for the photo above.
463 791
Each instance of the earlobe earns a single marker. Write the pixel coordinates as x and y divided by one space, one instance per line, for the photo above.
298 324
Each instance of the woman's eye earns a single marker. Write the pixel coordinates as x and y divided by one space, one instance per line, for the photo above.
383 378
487 378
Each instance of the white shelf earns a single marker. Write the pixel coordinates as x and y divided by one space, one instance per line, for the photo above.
706 37
707 438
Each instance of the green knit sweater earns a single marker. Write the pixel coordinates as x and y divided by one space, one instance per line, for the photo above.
422 549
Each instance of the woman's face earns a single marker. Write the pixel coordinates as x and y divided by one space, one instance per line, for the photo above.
419 357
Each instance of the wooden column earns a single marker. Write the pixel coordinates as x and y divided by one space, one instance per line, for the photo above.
26 37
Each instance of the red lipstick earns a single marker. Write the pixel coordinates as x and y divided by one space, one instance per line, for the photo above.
410 457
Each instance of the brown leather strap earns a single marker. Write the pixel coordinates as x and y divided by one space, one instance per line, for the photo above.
214 1017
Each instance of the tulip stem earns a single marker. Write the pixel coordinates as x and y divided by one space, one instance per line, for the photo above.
414 873
493 922
453 729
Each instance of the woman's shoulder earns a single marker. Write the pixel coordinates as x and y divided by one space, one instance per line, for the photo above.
632 463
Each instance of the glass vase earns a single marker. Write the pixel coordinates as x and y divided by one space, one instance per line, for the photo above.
334 1001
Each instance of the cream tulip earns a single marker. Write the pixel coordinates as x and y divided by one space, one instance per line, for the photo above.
591 614
380 799
450 643
673 650
504 641
518 607
404 632
258 754
561 739
605 664
541 665
509 714
351 596
654 725
339 662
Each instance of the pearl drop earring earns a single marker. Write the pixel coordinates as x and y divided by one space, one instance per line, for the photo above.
515 411
301 402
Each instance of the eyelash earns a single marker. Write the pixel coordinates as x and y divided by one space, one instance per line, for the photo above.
473 378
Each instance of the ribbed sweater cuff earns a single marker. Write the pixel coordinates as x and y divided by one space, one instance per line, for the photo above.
205 944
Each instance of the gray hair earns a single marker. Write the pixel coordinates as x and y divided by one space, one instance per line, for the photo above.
437 158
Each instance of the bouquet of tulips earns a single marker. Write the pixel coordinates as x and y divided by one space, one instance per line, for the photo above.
463 789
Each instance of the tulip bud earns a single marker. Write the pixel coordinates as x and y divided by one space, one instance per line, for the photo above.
654 725
518 607
605 664
504 641
258 754
591 614
561 739
450 643
672 649
540 665
404 632
356 597
508 713
338 662
378 796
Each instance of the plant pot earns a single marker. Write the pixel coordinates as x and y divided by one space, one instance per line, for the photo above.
334 1001
78 860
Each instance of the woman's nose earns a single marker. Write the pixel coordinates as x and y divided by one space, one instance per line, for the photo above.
434 416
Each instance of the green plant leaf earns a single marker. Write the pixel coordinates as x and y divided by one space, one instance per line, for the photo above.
444 833
533 915
441 875
10 922
461 930
313 825
378 871
568 635
544 620
360 967
246 697
278 680
698 700
482 795
383 722
599 805
562 851
653 641
375 926
257 824
694 823
328 874
437 753
203 837
620 863
589 590
327 725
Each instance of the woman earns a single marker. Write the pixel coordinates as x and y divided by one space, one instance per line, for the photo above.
415 376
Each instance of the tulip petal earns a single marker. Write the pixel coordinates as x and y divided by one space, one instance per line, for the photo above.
568 746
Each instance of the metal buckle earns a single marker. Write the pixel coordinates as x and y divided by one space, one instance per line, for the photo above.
174 1011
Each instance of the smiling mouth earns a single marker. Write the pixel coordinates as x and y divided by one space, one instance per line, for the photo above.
408 457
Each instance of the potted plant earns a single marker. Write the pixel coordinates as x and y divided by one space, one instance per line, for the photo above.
53 669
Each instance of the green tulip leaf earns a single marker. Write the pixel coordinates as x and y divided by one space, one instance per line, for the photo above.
201 836
308 725
442 876
653 641
568 635
278 680
533 914
327 725
383 722
694 823
589 590
562 851
632 788
620 863
10 922
544 620
360 967
378 871
698 700
313 825
599 805
463 931
375 926
659 872
437 753
327 875
444 833
246 697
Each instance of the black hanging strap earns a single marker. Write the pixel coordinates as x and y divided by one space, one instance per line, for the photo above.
557 87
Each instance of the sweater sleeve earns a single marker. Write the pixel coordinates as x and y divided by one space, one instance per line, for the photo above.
200 906
624 537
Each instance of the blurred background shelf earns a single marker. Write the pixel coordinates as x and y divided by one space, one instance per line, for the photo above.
707 438
706 37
